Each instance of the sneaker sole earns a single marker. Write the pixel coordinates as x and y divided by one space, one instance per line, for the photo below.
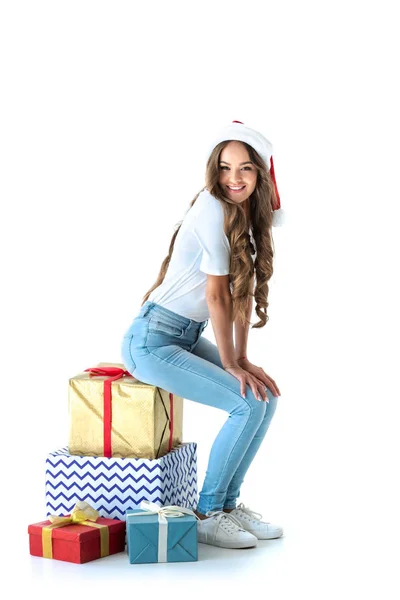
274 537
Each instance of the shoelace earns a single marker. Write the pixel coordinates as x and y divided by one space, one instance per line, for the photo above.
226 519
249 513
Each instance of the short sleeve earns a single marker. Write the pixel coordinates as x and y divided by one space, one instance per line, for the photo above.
209 232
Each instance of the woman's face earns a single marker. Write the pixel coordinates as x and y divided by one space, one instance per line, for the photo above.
237 171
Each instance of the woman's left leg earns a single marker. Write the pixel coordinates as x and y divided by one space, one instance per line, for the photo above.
209 351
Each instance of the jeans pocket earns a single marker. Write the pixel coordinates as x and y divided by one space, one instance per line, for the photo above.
157 325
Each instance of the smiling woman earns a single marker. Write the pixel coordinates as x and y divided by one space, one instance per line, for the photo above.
209 273
237 177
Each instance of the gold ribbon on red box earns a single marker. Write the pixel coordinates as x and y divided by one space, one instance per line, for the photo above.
81 514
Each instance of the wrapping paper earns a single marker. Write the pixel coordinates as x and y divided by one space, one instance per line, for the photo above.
168 536
114 485
77 543
141 420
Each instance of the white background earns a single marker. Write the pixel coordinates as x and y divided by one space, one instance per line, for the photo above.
107 110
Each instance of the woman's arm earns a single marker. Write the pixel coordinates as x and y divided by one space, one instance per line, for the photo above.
242 331
219 302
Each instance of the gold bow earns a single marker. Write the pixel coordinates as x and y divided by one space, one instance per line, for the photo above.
81 514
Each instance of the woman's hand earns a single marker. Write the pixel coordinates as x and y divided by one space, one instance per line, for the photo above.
245 378
260 375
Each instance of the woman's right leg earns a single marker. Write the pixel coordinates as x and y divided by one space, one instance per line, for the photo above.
177 370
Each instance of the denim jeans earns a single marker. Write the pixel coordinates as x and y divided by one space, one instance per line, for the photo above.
165 349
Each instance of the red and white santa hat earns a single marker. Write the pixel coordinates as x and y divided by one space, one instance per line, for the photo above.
242 133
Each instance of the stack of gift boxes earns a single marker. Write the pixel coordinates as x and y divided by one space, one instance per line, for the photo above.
126 475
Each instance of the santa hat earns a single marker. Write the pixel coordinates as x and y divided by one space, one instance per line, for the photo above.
241 132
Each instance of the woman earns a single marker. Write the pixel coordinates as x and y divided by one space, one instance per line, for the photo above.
221 247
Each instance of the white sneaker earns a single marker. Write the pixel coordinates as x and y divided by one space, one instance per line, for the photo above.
251 521
223 530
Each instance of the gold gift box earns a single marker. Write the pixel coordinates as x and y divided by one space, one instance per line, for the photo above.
140 422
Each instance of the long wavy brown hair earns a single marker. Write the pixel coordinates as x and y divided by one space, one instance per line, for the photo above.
241 269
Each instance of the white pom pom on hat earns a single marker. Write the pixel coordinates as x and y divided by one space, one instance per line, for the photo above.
242 133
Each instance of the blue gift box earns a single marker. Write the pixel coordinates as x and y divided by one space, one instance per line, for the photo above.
151 541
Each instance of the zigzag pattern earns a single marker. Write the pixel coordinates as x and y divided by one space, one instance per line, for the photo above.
114 485
129 489
102 464
114 469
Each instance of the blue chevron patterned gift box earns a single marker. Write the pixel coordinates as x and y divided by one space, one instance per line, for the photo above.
114 485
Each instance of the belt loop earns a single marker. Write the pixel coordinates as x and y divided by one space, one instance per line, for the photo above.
147 308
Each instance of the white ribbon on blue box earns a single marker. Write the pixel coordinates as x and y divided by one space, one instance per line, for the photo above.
150 508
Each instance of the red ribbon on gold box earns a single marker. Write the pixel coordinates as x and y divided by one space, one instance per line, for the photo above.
114 414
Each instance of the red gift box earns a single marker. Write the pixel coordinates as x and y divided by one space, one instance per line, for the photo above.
77 543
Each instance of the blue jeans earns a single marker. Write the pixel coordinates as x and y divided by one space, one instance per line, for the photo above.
165 349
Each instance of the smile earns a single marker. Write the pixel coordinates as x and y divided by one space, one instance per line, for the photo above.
236 189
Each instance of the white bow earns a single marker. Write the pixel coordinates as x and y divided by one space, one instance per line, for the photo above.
150 508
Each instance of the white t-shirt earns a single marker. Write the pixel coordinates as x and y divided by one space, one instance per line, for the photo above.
201 247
